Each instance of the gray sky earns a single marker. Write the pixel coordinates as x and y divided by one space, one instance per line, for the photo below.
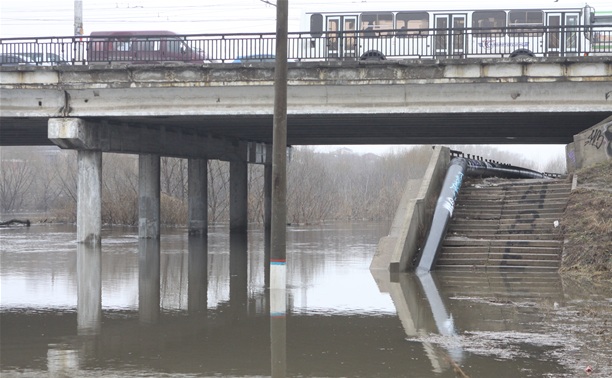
29 18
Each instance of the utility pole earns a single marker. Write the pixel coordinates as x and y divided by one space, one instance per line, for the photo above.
78 17
278 229
278 247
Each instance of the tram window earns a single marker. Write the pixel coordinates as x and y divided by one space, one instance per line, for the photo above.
316 25
527 20
409 23
371 22
491 20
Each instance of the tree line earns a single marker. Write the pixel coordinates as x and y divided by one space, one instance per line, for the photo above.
338 185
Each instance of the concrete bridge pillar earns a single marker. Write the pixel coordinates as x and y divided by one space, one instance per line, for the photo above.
148 196
89 202
197 189
238 196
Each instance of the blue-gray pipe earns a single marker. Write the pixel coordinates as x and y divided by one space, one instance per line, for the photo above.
443 213
459 167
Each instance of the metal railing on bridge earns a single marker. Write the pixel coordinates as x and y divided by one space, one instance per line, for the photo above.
130 47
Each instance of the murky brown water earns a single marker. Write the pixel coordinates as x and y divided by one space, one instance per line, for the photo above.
199 310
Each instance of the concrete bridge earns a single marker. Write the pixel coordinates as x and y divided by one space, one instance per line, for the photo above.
224 111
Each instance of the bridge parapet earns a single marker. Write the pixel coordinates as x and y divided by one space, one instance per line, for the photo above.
311 73
328 102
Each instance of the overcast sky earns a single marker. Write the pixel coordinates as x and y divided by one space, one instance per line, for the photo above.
30 18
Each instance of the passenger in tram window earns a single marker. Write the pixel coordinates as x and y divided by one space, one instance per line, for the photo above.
369 31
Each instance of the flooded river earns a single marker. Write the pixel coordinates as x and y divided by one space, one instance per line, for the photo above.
201 309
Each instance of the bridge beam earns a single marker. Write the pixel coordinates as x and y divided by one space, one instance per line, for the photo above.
79 133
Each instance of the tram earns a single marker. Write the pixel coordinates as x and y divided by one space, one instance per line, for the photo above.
444 29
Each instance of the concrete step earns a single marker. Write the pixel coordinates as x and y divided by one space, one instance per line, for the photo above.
496 268
524 214
468 193
501 202
511 284
499 263
517 188
512 195
460 278
505 243
475 226
506 236
518 218
488 255
513 183
506 225
449 250
502 222
512 205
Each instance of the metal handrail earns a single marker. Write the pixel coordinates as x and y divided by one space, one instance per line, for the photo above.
329 46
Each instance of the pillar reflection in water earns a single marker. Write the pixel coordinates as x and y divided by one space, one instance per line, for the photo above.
443 318
422 312
197 286
239 260
89 288
278 332
148 280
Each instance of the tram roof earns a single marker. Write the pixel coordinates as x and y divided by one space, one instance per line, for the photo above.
442 6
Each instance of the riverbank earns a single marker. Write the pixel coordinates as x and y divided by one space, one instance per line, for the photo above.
587 224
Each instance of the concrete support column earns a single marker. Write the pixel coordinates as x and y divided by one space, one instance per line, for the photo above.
148 196
89 202
238 196
198 197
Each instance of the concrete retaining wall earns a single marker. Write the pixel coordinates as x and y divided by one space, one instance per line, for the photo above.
590 147
396 251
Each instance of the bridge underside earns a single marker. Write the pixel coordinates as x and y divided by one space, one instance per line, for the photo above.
326 129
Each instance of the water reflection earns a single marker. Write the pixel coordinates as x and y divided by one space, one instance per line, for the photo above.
89 288
148 280
198 307
197 284
422 312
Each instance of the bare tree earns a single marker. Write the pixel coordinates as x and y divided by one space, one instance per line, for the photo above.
120 189
256 193
308 197
218 191
16 178
174 177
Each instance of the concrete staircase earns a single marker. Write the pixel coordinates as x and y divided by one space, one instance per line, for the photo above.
506 224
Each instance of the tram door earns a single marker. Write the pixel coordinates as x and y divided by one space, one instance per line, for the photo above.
449 38
562 38
341 37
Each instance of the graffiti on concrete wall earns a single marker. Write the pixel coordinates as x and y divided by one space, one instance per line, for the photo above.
601 137
608 136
